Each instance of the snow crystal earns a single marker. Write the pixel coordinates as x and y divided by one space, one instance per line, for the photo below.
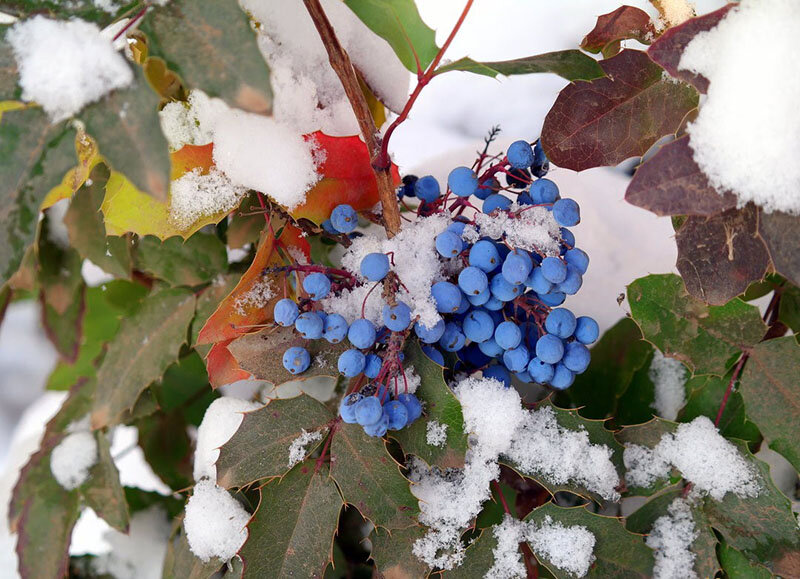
668 376
220 423
256 152
701 454
148 534
307 93
257 296
191 122
435 433
671 538
215 522
568 548
196 195
534 229
297 450
747 129
74 456
507 560
674 12
65 65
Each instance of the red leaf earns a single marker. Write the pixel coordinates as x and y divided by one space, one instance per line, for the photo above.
347 178
222 366
190 157
668 49
608 120
623 23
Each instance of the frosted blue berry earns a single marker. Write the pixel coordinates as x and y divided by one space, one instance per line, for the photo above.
541 165
347 407
379 428
478 326
572 282
484 256
397 413
496 202
540 372
462 181
433 354
562 378
317 285
520 155
508 335
517 267
525 198
567 237
413 406
544 191
368 410
473 281
285 312
447 296
518 178
491 348
502 289
550 349
560 322
397 318
523 377
578 259
480 298
372 366
453 338
553 299
516 359
566 212
586 330
449 244
309 325
457 227
427 188
487 187
537 282
498 373
335 328
576 357
329 228
429 335
375 266
553 269
351 362
344 218
494 304
361 333
296 360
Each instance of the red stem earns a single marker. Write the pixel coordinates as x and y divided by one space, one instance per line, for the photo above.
729 389
131 22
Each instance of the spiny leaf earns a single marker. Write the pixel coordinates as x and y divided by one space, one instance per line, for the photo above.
737 566
649 435
146 344
478 558
440 405
393 555
781 233
189 262
626 22
103 491
702 337
185 389
208 301
167 448
34 155
222 366
212 45
608 120
771 391
370 479
127 130
260 448
569 64
641 520
291 533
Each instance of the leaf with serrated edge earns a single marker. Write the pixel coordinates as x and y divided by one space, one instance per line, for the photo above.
103 491
626 22
393 556
370 479
192 262
291 533
88 158
649 435
608 120
440 405
260 447
207 302
569 64
146 344
703 337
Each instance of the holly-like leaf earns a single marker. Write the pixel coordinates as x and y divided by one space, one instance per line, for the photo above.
393 553
648 434
212 46
222 367
291 533
370 479
619 354
608 120
398 22
703 337
771 392
478 558
189 262
671 183
347 177
185 389
618 552
737 566
668 49
34 156
167 448
719 256
781 233
260 448
103 491
146 344
572 65
624 23
127 130
208 301
243 228
181 563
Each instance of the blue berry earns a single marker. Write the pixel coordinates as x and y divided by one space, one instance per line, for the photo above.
572 282
560 322
544 191
433 354
310 325
372 366
502 289
457 227
473 281
472 356
464 306
480 298
347 408
397 413
462 181
541 165
576 357
553 299
524 198
478 326
540 372
317 285
550 349
328 227
453 338
493 304
427 188
578 259
449 244
537 282
491 348
586 330
361 333
517 267
567 237
496 201
484 256
351 362
344 218
397 318
520 155
498 373
553 269
296 360
508 335
285 312
518 178
516 359
566 212
486 188
335 328
447 296
413 406
379 428
429 335
407 188
368 410
375 266
524 377
562 378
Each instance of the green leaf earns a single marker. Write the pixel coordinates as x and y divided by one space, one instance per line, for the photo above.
195 261
615 358
771 391
635 406
618 552
705 338
185 388
87 233
139 500
393 555
291 533
398 22
641 520
181 563
9 75
128 133
648 434
147 343
737 566
212 45
103 491
370 479
260 448
34 156
569 64
167 448
440 405
478 557
789 309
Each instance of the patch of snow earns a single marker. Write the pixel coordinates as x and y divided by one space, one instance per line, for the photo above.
220 423
74 456
435 433
669 377
534 229
671 538
195 195
674 12
140 553
257 296
297 450
215 522
507 560
190 122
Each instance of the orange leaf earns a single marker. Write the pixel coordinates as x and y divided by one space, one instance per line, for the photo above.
190 157
222 366
347 178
